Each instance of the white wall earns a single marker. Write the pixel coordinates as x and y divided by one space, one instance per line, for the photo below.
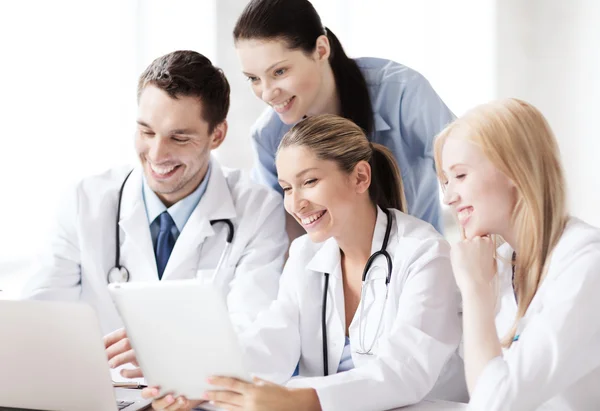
549 55
450 42
67 99
245 108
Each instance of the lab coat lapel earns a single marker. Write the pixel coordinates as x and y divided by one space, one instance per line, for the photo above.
327 260
216 203
137 253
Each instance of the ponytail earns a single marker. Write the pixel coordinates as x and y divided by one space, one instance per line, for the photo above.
387 189
351 86
338 139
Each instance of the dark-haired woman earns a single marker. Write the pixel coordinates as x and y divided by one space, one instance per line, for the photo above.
299 68
361 342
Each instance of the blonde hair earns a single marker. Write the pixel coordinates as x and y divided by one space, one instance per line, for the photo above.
338 139
518 140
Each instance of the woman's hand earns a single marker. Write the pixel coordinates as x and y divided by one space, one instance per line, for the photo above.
473 263
169 402
474 269
260 395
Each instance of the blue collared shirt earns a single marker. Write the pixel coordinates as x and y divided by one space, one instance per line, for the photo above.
346 362
180 211
408 115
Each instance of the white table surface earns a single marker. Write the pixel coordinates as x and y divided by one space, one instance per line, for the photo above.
434 405
426 405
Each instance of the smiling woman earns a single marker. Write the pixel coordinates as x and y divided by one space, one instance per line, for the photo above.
299 68
320 193
502 174
367 306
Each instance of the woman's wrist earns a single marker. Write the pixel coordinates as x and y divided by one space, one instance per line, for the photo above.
476 291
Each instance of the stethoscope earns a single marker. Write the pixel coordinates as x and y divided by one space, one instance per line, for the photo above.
513 264
120 274
361 337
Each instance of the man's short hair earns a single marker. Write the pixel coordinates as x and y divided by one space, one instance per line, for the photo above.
188 73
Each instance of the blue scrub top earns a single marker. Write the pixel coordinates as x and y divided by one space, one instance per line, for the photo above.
408 115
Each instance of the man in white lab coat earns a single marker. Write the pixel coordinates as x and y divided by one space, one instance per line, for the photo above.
159 221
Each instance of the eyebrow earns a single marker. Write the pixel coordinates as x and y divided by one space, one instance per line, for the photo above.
455 165
176 131
300 174
268 68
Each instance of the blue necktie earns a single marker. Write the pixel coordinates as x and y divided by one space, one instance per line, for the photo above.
164 243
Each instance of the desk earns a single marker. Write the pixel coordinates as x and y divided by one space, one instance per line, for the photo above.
434 405
426 405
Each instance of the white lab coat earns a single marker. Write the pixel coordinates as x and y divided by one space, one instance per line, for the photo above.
555 364
419 335
82 248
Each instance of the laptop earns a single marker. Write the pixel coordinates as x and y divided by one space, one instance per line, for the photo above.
52 358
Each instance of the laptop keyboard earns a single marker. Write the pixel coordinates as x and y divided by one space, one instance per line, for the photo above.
123 404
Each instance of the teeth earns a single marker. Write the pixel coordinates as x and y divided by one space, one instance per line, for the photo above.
282 105
161 170
312 218
465 213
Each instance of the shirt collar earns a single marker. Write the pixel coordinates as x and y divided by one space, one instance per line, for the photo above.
380 123
181 210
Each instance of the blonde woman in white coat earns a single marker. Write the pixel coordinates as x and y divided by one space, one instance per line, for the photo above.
530 308
385 347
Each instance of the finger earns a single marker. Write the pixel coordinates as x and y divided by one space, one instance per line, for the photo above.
181 403
163 402
228 397
194 403
113 337
149 393
127 357
134 373
117 348
231 384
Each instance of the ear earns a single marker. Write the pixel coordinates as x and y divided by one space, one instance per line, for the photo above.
322 48
362 177
218 135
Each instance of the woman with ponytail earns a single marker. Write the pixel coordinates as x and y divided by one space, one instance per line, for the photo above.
530 307
354 348
299 68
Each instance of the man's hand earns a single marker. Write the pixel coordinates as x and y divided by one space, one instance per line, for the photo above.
119 352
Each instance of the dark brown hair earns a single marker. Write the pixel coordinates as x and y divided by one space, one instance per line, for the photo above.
188 73
298 24
338 139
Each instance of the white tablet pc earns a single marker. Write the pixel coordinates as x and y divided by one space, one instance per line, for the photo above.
181 333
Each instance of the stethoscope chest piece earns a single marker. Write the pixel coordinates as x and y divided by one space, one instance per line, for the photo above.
118 275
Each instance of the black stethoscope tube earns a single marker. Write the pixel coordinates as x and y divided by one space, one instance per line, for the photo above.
382 251
121 272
